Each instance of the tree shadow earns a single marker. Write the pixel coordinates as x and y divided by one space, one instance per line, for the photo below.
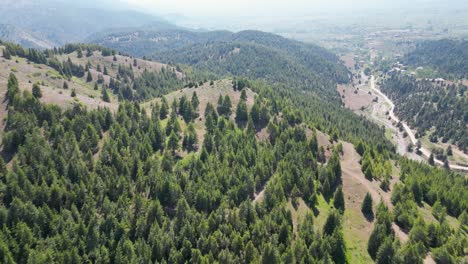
369 217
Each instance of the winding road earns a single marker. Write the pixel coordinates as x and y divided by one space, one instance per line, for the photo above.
410 133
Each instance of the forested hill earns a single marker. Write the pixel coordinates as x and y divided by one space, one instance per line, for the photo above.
272 58
221 171
449 57
253 54
302 74
437 110
58 22
147 41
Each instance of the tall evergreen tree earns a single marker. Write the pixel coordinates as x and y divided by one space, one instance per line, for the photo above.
338 200
105 94
89 77
36 91
366 207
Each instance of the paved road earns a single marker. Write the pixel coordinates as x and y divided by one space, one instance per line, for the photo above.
411 135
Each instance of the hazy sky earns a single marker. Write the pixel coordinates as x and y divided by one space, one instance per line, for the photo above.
239 8
224 7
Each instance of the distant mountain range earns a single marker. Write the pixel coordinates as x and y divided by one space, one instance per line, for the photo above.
23 37
48 23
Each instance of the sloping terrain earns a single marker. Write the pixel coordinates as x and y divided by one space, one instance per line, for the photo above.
252 54
449 57
23 37
207 93
52 82
148 41
60 22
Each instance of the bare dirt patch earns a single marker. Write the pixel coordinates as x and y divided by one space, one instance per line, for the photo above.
348 60
259 197
51 83
354 98
355 186
323 140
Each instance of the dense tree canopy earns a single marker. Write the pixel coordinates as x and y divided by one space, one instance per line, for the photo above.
425 105
112 188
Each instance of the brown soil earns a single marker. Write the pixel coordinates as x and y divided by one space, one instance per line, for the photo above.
354 99
324 141
348 60
355 186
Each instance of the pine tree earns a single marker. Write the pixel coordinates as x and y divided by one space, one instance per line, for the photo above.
270 255
243 95
227 105
173 142
338 200
386 252
190 139
446 165
251 253
332 223
36 91
366 207
219 108
12 87
449 151
182 105
89 77
242 114
6 54
431 159
105 95
73 93
79 53
96 87
439 211
65 85
195 101
376 239
105 70
164 109
188 112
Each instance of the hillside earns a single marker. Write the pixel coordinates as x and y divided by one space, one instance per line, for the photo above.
56 22
85 71
304 74
449 57
223 170
252 54
22 37
143 41
438 110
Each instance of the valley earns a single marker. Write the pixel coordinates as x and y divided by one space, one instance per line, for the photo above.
364 98
153 143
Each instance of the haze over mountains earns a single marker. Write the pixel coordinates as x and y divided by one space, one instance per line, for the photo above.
156 131
45 24
49 23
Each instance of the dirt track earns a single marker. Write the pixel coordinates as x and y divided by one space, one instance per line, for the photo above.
408 130
352 175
